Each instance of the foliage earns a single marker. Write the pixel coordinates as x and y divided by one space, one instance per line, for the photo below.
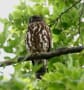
64 72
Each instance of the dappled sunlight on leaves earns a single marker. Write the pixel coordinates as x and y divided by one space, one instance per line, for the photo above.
64 72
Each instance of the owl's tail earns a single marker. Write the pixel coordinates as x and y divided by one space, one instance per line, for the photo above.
41 71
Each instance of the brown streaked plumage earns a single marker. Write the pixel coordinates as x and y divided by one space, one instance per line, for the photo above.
38 39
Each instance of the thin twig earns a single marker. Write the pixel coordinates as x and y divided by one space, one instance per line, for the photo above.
66 10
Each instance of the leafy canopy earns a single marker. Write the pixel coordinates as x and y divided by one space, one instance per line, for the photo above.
64 72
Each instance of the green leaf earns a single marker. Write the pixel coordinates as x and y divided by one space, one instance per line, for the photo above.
8 49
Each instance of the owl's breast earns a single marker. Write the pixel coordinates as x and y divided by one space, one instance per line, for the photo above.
38 37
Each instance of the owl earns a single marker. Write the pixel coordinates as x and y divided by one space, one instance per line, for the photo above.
38 39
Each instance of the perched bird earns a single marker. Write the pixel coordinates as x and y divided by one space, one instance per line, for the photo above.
38 39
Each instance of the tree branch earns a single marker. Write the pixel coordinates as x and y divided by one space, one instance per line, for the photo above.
67 10
46 55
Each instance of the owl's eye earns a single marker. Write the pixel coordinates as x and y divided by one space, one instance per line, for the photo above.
35 18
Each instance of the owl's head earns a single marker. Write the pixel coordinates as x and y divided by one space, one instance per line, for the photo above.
35 18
